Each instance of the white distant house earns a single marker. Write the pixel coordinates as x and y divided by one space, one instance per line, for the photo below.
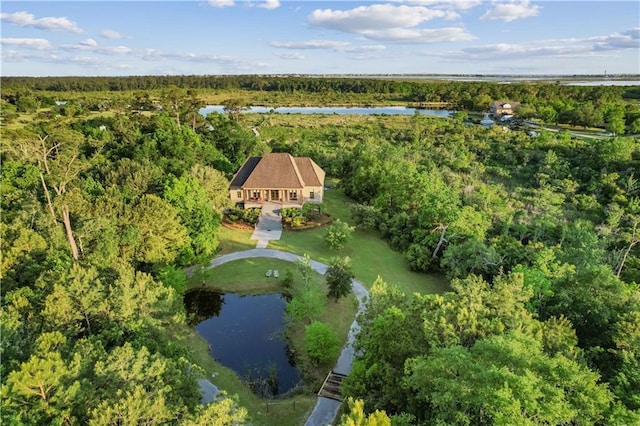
504 110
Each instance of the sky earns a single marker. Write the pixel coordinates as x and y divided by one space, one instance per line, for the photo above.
96 38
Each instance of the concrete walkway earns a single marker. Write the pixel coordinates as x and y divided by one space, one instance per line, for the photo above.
269 226
326 410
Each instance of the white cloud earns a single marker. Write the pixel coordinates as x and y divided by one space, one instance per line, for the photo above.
89 42
337 46
269 4
365 48
90 45
221 3
550 48
311 44
31 43
511 51
629 39
510 10
111 34
290 55
25 19
420 36
446 4
388 22
375 17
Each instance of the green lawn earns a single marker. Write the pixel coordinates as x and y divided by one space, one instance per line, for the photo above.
370 255
246 276
234 240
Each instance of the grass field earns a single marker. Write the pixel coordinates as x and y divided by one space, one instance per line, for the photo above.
370 256
234 240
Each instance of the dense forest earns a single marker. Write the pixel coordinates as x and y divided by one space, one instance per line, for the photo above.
104 205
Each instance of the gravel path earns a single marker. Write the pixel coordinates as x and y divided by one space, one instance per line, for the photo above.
326 409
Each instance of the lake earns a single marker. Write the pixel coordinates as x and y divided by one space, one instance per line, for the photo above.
246 334
388 110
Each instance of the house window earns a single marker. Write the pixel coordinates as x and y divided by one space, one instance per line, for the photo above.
293 195
239 194
256 195
312 194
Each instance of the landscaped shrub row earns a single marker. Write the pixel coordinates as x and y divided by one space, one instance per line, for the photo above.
249 216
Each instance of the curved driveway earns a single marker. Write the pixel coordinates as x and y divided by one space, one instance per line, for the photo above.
326 409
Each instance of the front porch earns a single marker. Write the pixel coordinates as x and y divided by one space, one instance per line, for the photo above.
285 198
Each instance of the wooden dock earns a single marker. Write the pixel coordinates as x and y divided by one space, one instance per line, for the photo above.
331 386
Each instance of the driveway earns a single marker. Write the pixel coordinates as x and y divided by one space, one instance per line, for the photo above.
269 226
326 410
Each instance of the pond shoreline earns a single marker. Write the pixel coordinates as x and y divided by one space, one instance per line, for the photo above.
326 409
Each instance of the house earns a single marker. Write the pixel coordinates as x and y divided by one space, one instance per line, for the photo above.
504 109
279 178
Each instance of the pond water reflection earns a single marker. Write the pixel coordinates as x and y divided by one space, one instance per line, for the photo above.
246 334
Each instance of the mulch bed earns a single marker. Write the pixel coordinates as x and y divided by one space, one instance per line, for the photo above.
239 225
320 222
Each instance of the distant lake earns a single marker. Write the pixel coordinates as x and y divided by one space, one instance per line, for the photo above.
388 110
246 334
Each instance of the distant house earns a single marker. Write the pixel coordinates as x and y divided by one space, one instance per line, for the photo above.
503 109
279 178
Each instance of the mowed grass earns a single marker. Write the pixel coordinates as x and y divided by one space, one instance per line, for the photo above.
371 257
247 276
232 240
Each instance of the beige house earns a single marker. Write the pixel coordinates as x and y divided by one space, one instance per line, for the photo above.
502 109
279 178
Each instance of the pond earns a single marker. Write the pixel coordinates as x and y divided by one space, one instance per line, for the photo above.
246 334
389 110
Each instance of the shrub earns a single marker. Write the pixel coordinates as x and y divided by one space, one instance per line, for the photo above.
338 234
251 215
321 343
339 278
297 221
311 211
290 212
365 216
308 304
287 281
234 214
173 277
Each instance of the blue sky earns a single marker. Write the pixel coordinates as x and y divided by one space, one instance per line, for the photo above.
319 37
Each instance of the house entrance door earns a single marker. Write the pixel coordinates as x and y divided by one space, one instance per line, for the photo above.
275 195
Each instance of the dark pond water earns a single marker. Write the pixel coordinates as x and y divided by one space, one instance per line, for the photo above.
246 334
389 110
